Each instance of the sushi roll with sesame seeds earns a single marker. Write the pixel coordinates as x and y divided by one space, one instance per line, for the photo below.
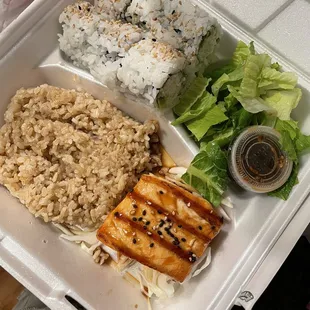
148 66
179 23
148 48
95 44
78 24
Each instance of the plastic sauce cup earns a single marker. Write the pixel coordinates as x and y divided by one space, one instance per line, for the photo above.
256 161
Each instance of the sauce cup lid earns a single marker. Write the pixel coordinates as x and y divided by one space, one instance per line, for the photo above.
256 161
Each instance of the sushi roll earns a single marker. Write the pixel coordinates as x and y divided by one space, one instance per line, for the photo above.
179 23
148 66
78 24
146 48
95 44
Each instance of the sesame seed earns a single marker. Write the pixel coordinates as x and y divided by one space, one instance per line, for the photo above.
132 212
134 219
135 206
147 223
134 241
165 218
144 227
144 220
180 226
161 236
176 242
170 225
192 242
183 239
173 212
199 227
188 204
213 227
154 227
168 220
159 212
151 245
174 230
144 212
149 233
133 233
161 224
161 192
140 219
149 203
116 214
152 212
159 232
190 258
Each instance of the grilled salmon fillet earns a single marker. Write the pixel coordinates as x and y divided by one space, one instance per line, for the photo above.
162 226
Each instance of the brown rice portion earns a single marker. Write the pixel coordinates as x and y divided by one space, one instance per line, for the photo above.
70 158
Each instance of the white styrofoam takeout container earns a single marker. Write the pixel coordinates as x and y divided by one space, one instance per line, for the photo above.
52 268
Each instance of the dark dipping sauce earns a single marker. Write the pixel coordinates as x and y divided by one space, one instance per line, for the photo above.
257 162
262 158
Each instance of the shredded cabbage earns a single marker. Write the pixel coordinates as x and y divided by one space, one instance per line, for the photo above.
158 284
226 202
202 263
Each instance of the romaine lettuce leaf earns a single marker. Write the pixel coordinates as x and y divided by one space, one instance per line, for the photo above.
242 53
221 138
288 146
282 102
241 119
302 142
252 105
231 77
289 126
208 173
263 88
273 79
200 125
252 72
284 191
230 101
204 104
191 95
279 103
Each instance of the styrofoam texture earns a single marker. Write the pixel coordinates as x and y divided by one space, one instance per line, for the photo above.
277 256
51 268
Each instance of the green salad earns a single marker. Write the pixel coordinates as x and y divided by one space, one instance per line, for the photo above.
249 90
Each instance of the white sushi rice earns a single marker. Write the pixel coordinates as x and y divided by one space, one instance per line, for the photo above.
147 66
111 9
155 56
95 44
179 23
